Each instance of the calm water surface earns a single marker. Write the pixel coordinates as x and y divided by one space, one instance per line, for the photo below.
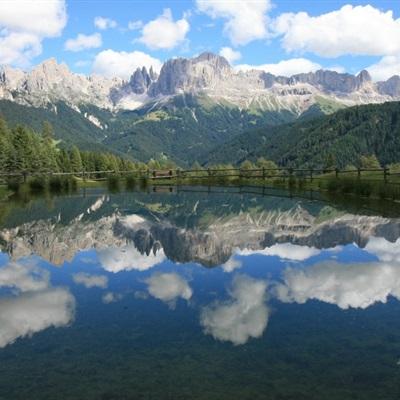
191 295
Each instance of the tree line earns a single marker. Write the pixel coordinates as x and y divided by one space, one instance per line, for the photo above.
24 150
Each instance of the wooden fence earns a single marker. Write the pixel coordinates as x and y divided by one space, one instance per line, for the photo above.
210 173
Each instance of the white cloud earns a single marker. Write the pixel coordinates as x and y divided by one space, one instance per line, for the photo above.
231 265
89 280
383 249
32 312
111 297
164 32
23 277
346 285
33 305
287 251
127 258
246 20
135 25
25 24
104 23
284 68
112 63
168 287
360 30
19 48
385 68
230 54
242 317
83 42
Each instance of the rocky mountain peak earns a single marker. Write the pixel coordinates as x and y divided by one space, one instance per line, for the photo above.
188 75
364 76
207 73
140 81
212 59
391 87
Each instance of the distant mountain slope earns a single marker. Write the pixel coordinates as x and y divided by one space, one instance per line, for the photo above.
69 125
184 127
346 134
181 128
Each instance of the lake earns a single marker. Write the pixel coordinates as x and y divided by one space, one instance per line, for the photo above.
198 293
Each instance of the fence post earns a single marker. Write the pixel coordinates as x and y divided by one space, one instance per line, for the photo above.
358 172
385 174
311 174
24 174
263 172
337 172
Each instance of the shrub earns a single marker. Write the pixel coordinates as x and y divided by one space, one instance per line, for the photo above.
37 184
130 182
113 183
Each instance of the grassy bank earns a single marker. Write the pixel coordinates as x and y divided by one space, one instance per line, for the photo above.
4 192
367 186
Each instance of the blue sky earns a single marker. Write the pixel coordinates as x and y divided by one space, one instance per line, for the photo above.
306 35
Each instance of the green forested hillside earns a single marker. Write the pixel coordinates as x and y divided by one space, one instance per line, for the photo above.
188 128
342 137
180 128
183 127
22 149
69 125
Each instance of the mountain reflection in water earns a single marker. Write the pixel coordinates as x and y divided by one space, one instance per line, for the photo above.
147 285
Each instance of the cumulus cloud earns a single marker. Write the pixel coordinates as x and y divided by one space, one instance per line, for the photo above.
104 23
32 312
246 20
230 54
385 68
284 68
345 285
90 281
287 251
83 42
112 63
22 29
242 317
127 258
383 249
33 305
359 30
23 278
168 287
164 32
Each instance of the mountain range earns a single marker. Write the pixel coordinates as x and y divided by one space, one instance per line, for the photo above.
208 234
189 108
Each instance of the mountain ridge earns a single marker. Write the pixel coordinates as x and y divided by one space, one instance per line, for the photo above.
207 74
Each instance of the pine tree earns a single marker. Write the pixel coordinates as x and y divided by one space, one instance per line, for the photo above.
47 131
76 160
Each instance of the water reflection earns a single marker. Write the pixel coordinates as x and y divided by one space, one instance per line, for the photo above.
32 304
205 278
240 318
168 287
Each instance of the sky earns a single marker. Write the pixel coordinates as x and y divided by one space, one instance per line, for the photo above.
284 37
